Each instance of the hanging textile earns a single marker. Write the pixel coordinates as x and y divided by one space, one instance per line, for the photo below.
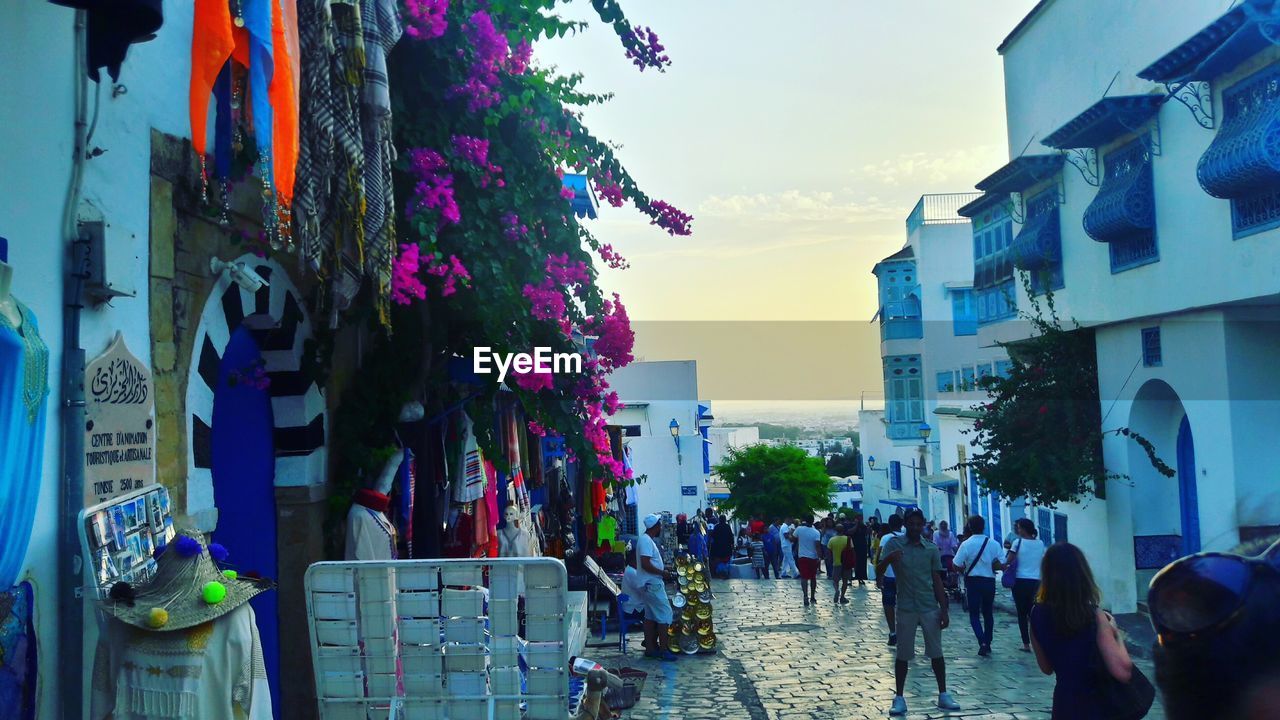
406 484
470 481
284 127
382 29
344 232
211 45
315 129
24 387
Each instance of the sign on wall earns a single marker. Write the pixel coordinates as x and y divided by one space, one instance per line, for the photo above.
119 438
689 490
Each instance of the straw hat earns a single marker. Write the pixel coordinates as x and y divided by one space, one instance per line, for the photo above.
187 589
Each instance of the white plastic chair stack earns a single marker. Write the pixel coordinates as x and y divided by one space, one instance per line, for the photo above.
440 639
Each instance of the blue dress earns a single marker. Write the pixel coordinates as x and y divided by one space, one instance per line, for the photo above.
1072 659
23 388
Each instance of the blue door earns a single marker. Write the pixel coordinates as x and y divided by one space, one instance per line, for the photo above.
1187 489
244 484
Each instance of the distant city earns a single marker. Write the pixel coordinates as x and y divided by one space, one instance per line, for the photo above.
814 418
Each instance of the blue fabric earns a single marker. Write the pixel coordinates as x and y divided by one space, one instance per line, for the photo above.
257 20
21 456
222 136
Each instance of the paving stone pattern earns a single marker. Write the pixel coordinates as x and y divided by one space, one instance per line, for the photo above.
779 660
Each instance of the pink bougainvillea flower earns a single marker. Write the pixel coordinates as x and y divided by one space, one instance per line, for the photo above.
434 187
425 19
670 218
644 50
405 285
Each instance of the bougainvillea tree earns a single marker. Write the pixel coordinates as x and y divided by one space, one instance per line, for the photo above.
1041 429
491 252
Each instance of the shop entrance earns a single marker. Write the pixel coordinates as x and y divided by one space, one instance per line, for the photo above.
244 481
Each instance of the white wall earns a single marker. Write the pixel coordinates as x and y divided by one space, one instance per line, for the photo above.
36 45
724 439
654 394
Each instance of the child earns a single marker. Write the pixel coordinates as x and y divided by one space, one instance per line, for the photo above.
757 558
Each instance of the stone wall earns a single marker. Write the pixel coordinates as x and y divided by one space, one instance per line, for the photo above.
185 235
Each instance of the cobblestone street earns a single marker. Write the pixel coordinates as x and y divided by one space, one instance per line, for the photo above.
780 660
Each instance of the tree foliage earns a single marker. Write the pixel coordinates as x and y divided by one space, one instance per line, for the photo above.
843 464
769 481
1040 434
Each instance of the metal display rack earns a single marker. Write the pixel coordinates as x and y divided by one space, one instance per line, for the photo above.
440 639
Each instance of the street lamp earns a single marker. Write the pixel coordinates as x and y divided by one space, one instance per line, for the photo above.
925 431
871 461
675 437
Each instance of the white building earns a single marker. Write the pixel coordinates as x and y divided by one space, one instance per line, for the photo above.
932 360
720 440
662 422
1140 180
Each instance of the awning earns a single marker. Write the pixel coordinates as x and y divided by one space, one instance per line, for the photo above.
1105 120
985 201
899 503
941 481
1243 160
1125 203
1223 44
1040 241
584 201
1021 173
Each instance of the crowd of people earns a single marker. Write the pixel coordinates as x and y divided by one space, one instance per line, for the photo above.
1204 608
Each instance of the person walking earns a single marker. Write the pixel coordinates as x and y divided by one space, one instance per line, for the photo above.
921 603
840 570
721 546
1069 631
947 544
859 538
809 551
979 559
885 580
875 531
652 577
772 549
828 531
788 553
1024 558
757 558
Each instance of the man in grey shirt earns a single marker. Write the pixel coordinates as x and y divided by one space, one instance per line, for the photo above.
921 603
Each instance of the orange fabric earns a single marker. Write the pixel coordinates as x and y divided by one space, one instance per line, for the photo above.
211 44
284 110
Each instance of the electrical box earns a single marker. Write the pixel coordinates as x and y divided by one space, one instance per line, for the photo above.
110 258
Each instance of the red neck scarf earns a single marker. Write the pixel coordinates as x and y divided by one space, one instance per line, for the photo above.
372 499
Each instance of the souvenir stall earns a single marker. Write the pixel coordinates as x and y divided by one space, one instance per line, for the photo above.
692 629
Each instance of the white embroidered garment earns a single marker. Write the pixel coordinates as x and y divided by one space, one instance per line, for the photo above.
470 473
212 671
370 535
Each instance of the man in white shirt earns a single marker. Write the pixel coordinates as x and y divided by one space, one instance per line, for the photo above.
809 552
789 569
977 560
652 577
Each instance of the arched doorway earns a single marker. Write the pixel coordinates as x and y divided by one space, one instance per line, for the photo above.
1164 510
1187 495
244 481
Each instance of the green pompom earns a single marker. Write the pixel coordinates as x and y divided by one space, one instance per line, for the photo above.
230 574
214 592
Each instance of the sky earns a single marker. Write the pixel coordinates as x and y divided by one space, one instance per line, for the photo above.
799 135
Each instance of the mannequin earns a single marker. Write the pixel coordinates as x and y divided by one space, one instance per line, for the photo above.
513 540
8 306
370 534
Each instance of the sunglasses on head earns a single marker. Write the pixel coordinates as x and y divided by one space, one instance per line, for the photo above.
1203 592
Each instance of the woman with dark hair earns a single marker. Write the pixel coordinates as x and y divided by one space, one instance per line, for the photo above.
722 545
1027 553
1218 620
1068 629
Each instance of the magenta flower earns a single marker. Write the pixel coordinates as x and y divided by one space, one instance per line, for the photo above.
670 218
609 189
489 50
425 19
434 189
644 50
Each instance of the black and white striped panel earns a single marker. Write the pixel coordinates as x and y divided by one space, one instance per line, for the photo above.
277 318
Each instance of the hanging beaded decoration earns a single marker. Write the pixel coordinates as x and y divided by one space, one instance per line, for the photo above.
35 371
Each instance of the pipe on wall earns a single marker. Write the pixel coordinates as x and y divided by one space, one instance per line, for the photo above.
70 658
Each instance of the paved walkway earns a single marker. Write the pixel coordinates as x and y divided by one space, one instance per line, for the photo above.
779 660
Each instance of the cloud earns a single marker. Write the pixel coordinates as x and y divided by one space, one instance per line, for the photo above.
964 164
792 206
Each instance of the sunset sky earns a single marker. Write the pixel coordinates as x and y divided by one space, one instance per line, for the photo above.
800 151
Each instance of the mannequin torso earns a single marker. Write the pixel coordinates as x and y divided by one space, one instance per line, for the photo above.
8 306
